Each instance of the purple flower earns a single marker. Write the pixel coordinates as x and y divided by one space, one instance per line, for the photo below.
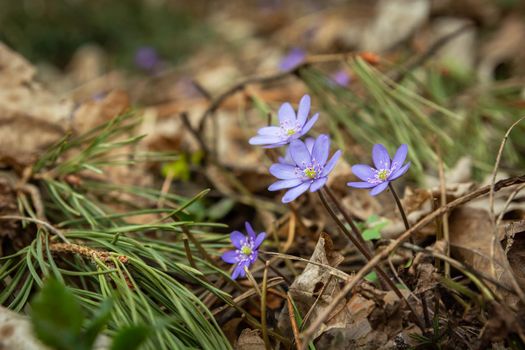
294 58
287 159
341 78
307 169
291 126
246 250
385 170
146 58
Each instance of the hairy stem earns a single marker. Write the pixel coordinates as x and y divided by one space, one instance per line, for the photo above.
399 206
348 218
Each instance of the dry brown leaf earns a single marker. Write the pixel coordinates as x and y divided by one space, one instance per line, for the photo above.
347 337
96 112
230 329
250 340
307 285
427 278
30 117
361 204
471 233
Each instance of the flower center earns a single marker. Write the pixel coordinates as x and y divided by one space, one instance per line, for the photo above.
382 174
246 250
310 172
289 128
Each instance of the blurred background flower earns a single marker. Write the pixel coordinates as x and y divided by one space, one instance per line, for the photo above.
295 57
147 58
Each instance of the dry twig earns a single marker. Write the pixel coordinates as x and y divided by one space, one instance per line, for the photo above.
307 334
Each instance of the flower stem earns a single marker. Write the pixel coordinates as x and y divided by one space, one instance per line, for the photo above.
348 218
399 206
366 253
352 237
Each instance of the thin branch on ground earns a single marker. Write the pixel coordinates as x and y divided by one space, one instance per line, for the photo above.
491 204
308 333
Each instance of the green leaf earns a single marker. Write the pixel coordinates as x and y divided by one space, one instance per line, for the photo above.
375 225
371 277
130 338
371 233
179 169
372 219
57 317
98 323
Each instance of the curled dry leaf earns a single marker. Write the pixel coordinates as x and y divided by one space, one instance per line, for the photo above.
314 278
376 319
